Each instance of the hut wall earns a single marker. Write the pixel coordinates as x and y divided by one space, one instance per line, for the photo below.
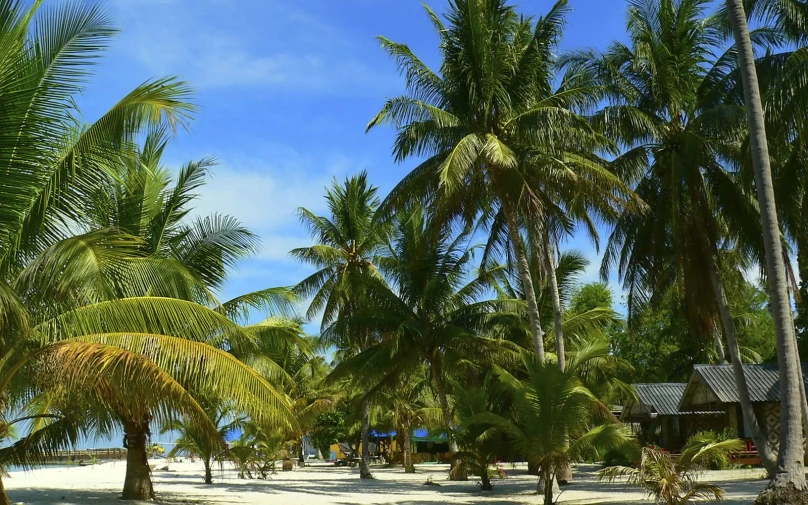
768 415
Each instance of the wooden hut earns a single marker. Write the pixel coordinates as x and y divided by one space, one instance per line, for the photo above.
656 418
712 387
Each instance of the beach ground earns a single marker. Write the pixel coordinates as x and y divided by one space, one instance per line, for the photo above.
325 484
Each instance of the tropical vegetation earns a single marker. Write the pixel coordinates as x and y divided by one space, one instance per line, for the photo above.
452 303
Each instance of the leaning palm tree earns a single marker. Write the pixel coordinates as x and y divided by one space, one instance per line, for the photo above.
668 111
344 253
495 131
790 474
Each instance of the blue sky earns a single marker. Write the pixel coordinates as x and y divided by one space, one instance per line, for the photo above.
285 89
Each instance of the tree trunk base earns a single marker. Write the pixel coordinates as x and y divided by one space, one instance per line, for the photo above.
364 473
787 495
3 496
564 475
409 469
458 472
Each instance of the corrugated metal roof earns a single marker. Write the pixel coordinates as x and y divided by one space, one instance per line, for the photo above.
662 399
763 381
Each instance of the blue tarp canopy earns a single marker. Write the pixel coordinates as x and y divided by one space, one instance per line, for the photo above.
418 435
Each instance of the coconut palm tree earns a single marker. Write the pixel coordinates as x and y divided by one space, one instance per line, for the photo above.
495 131
194 442
482 443
678 132
790 474
674 480
412 405
75 323
427 311
343 256
554 419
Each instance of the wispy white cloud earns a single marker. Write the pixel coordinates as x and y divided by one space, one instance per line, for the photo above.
293 50
265 191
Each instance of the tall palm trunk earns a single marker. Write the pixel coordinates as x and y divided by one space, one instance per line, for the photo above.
137 483
719 347
364 465
790 477
438 376
565 472
551 276
527 281
301 456
407 449
767 457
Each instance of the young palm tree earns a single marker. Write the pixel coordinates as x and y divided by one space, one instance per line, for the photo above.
482 443
554 419
669 113
427 311
412 405
674 481
346 245
195 443
790 476
495 131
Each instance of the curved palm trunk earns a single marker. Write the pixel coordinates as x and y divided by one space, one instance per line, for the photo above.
137 483
527 282
790 477
364 465
456 472
407 450
3 496
767 457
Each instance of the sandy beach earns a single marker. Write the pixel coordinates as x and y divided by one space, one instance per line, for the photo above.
323 484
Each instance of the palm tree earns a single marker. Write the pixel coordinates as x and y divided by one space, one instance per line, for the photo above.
195 442
481 443
674 481
790 474
75 323
495 131
412 405
427 311
49 160
554 419
669 114
141 201
346 245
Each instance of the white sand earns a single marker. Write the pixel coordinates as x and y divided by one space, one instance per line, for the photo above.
325 484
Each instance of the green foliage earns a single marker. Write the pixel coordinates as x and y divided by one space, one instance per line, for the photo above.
329 428
674 481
